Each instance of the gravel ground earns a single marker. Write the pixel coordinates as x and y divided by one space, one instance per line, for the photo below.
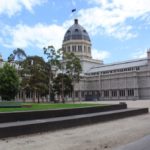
102 136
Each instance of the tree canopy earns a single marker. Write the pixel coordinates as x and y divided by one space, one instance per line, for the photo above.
35 75
62 85
38 78
18 54
53 57
73 66
9 82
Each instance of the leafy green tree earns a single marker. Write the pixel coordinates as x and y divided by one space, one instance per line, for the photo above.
62 85
18 55
73 68
35 76
9 82
17 58
53 57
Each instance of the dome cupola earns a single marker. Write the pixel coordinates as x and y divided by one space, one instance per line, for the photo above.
77 40
76 32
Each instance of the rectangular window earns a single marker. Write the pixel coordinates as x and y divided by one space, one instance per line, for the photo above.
74 48
68 48
76 93
79 48
64 49
82 94
89 92
130 92
89 50
121 93
84 48
114 93
96 92
93 93
106 93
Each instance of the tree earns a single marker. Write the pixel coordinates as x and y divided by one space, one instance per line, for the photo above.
35 76
9 82
17 58
73 68
62 88
19 53
53 57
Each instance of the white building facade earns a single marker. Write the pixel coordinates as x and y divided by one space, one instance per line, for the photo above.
116 81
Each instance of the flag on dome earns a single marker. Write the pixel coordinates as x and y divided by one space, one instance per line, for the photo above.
73 10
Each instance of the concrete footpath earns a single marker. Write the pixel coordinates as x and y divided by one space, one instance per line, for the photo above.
142 144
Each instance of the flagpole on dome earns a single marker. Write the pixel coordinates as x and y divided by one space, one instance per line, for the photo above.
73 13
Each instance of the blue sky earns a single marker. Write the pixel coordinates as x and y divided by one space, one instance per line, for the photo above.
119 29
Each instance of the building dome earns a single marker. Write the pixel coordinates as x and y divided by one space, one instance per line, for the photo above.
77 40
76 32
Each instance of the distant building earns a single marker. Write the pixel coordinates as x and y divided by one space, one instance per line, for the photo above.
123 80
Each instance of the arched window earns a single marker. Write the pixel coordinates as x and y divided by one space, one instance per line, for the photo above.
76 30
84 31
68 31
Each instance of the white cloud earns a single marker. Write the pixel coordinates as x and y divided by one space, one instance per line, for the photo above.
108 17
40 35
100 54
111 17
11 7
140 54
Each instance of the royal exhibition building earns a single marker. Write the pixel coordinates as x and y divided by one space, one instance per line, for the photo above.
117 81
126 80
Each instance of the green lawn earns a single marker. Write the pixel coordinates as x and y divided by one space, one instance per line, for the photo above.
42 106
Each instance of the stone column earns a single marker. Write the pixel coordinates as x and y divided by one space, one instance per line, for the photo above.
118 96
136 93
110 94
126 93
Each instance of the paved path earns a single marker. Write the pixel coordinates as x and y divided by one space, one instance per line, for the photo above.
142 144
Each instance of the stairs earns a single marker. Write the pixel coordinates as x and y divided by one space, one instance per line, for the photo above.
36 125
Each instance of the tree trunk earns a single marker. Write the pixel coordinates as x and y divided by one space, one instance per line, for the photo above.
73 94
62 96
34 96
38 98
24 96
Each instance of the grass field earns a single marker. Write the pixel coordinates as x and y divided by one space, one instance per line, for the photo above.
41 106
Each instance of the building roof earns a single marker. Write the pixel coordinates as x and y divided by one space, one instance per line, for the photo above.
76 32
119 65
